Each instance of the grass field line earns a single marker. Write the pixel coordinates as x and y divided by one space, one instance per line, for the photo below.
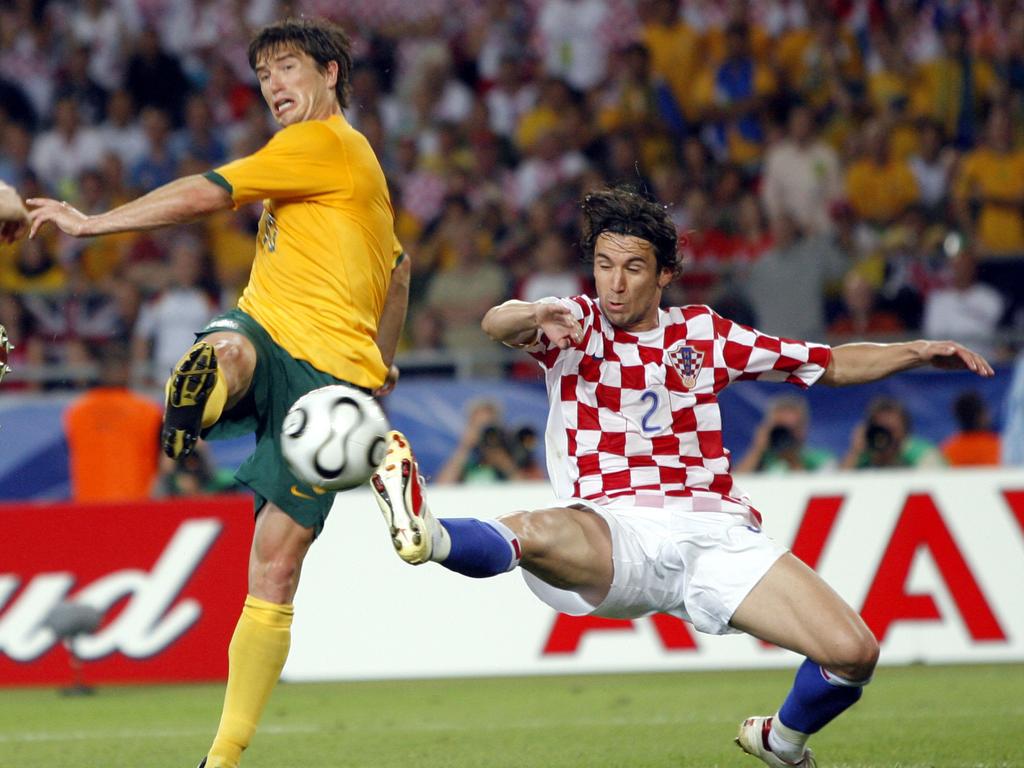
675 719
101 734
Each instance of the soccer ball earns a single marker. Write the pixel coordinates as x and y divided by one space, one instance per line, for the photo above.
333 437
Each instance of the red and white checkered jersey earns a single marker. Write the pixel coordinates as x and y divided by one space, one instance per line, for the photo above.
634 417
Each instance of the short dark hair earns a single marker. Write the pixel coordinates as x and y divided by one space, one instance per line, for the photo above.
322 40
623 211
888 404
970 411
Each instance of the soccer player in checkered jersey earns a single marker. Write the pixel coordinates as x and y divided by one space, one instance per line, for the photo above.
649 518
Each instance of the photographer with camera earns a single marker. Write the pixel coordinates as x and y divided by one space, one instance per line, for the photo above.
489 453
779 445
884 439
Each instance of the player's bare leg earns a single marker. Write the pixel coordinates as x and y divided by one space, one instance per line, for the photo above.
259 646
212 375
795 609
569 548
279 546
566 547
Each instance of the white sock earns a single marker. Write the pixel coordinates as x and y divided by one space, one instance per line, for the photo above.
509 535
441 543
786 742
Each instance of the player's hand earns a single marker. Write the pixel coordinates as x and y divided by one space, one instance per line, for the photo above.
858 444
762 434
559 325
951 356
389 382
479 419
859 438
67 218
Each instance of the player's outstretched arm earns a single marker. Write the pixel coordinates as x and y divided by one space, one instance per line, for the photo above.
516 323
860 363
13 216
179 201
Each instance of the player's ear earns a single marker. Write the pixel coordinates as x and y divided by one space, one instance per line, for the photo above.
331 73
665 276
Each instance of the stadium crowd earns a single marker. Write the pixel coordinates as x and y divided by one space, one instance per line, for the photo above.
840 170
849 168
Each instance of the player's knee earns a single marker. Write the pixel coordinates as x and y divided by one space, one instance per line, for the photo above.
854 655
274 580
274 573
236 353
236 357
538 532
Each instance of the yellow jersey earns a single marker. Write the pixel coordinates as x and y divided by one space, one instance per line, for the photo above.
880 193
983 171
325 247
677 55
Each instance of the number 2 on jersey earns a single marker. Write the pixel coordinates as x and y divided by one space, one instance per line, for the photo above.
645 424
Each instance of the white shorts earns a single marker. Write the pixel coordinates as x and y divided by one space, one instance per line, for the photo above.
695 565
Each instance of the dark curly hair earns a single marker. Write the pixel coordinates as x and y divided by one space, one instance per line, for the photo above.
623 211
322 40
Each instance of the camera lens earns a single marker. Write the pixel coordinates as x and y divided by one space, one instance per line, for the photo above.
879 438
781 438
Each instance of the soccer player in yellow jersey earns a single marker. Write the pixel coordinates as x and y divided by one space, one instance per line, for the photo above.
325 303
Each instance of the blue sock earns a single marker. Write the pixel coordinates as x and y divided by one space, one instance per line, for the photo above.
480 548
817 698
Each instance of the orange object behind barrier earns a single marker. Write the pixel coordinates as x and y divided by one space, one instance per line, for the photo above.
113 444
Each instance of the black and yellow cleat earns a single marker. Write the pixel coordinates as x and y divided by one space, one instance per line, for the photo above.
188 389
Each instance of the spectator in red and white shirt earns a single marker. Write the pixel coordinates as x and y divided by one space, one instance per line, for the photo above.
649 517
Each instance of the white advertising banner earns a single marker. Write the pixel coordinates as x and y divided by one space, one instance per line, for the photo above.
934 561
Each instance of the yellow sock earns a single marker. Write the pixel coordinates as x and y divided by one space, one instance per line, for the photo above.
256 656
214 406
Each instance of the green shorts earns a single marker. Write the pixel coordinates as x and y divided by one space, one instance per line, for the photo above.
277 382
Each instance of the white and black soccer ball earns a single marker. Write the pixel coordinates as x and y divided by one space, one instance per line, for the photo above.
334 437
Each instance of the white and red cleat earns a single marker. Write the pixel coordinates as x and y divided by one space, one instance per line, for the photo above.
398 487
753 739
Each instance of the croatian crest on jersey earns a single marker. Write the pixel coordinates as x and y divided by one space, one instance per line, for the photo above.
687 360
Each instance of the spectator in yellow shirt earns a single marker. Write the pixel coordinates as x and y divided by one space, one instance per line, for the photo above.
733 95
676 49
632 103
890 75
954 87
821 60
989 190
879 187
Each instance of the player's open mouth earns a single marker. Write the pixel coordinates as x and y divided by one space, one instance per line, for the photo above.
283 105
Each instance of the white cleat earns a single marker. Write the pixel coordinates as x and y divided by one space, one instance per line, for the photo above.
753 739
398 487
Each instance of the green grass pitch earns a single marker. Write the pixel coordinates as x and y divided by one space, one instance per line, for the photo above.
911 717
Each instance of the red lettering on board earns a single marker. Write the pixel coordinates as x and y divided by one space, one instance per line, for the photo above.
1015 499
921 526
815 527
568 631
